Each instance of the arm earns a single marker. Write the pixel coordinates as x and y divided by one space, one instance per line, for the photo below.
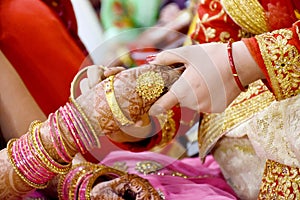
14 119
48 147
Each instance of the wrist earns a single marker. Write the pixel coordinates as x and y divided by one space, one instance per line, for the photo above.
247 69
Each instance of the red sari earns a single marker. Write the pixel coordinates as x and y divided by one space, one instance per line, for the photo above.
40 40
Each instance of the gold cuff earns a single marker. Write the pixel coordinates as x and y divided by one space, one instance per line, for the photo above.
113 104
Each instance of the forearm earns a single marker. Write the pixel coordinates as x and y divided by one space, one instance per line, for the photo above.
13 185
14 119
46 150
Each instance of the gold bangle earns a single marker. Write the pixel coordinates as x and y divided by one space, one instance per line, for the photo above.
79 175
42 154
77 79
97 174
113 104
11 160
75 176
75 82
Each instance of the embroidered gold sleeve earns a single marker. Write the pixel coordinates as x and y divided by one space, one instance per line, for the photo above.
248 14
282 62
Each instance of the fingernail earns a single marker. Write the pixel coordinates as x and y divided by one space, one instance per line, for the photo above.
150 58
156 110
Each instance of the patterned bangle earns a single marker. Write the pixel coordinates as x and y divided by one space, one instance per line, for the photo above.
80 113
168 128
72 129
81 191
232 66
42 175
113 104
56 137
40 152
12 160
65 188
24 165
100 172
87 136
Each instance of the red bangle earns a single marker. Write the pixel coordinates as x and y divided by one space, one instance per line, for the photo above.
232 66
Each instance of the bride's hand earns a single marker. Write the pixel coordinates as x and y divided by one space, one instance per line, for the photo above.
95 74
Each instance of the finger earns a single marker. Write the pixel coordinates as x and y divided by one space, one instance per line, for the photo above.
112 71
166 102
84 86
167 57
94 74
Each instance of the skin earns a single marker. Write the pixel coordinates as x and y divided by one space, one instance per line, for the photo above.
18 108
217 66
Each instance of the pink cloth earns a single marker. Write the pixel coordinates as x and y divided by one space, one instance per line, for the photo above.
205 181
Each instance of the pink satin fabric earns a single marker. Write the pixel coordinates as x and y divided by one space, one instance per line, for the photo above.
204 181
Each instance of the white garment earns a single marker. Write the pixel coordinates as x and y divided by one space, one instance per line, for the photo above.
89 27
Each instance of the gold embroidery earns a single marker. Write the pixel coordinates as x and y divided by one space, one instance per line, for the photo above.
280 182
214 126
120 165
211 32
248 14
150 85
168 128
152 167
148 166
282 62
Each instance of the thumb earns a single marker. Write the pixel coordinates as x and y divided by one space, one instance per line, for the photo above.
166 102
166 57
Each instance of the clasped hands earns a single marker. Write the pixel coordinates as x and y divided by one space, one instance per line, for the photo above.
206 85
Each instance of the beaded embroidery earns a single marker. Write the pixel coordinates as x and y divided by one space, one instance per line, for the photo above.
282 62
280 182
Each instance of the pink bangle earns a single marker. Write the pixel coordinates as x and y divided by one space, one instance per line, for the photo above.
57 140
86 133
22 165
79 180
80 112
70 183
40 152
72 130
82 188
83 135
33 163
34 167
69 179
232 66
